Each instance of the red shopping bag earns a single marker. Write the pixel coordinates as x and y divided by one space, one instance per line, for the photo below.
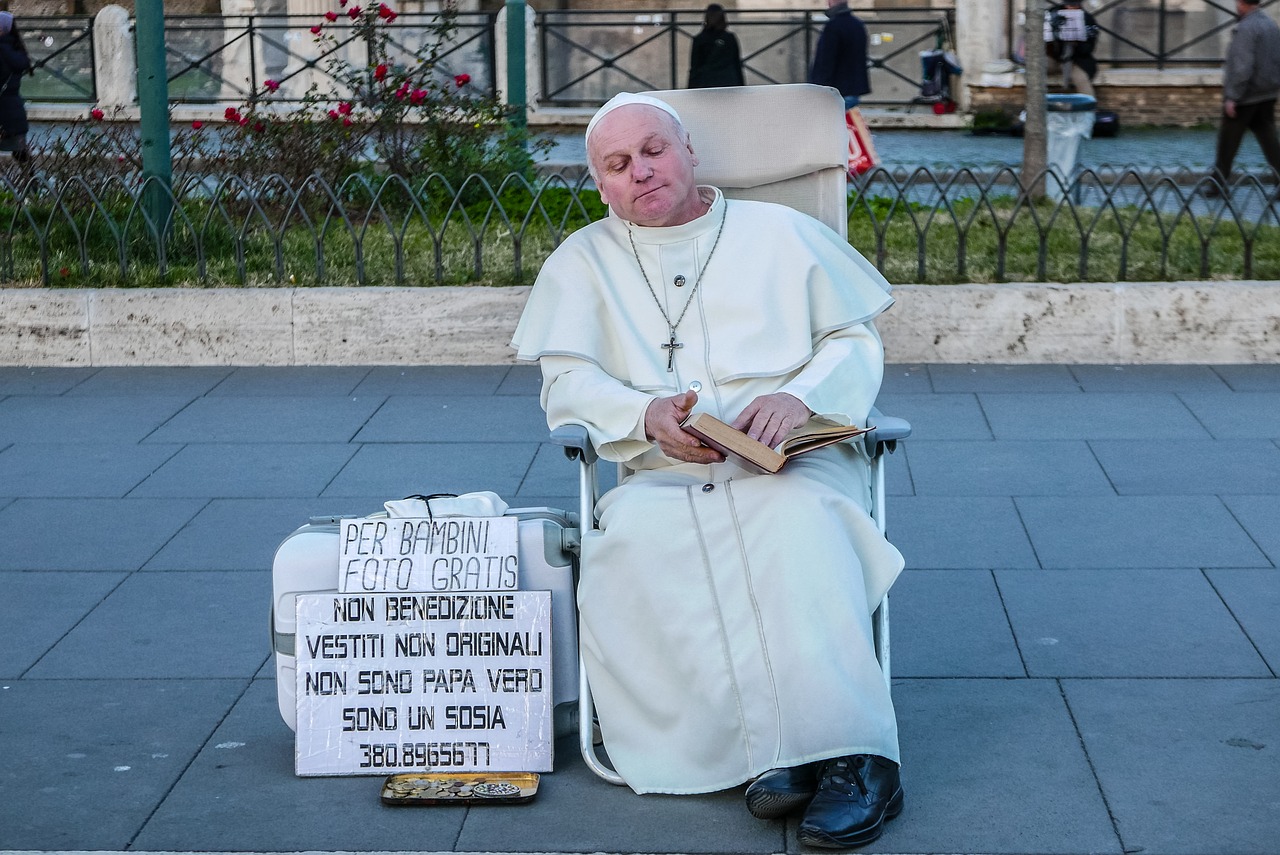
862 151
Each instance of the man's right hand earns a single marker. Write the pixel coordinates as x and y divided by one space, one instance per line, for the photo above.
662 425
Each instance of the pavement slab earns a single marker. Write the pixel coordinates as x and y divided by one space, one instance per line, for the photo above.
1239 415
1098 415
117 418
1187 766
92 534
951 623
15 380
1174 467
1079 532
168 625
1148 378
960 532
87 761
96 470
1003 378
1006 468
248 470
269 419
1125 623
38 609
1253 596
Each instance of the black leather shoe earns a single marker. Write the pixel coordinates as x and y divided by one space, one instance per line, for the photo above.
780 791
856 796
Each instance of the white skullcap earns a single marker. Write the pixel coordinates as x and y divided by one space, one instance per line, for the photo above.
623 99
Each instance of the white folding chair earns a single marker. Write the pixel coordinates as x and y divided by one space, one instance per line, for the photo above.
787 144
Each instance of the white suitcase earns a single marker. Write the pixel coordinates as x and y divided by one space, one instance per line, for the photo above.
307 563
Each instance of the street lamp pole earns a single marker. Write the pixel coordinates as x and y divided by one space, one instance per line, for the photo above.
153 103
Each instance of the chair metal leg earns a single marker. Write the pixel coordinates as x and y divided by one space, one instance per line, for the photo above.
880 619
586 721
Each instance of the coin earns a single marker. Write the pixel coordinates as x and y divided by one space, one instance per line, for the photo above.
495 790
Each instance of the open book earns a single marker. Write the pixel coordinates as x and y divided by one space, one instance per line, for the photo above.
754 454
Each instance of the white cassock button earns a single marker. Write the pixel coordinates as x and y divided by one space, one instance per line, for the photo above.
679 280
695 386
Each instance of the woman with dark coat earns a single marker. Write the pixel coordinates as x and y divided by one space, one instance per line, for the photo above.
13 62
715 59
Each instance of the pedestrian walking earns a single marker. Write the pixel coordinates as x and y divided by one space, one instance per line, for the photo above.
840 59
14 61
715 59
1250 86
1070 36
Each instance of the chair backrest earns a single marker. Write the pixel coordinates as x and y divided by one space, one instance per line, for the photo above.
786 143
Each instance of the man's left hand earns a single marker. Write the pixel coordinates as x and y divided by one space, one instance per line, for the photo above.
770 418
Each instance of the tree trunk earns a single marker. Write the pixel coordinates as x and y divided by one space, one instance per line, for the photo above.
1035 155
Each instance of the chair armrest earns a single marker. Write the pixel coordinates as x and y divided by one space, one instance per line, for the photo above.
576 443
888 431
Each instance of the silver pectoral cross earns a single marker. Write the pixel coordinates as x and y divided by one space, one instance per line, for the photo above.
670 348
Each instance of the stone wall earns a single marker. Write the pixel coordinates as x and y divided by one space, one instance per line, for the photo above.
1100 323
1169 98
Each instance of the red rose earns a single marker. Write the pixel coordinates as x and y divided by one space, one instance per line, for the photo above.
316 29
354 12
197 124
331 16
380 73
346 123
345 108
271 85
333 114
461 80
97 114
259 127
417 96
64 272
385 12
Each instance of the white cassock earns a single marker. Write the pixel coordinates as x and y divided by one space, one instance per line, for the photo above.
725 616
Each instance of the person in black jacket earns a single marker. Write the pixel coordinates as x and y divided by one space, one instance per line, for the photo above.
841 56
715 59
13 62
1069 45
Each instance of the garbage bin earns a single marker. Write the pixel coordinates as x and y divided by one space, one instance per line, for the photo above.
1069 119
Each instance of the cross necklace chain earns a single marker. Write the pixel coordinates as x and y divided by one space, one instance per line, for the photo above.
671 345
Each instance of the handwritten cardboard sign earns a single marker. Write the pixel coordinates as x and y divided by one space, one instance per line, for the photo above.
441 554
424 682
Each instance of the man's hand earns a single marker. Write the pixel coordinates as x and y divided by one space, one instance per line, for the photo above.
770 418
662 425
1229 107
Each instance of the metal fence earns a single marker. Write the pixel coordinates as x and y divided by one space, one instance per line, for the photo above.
920 226
61 50
1159 33
211 58
587 56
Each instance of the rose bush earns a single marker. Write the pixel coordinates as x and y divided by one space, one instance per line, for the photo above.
405 109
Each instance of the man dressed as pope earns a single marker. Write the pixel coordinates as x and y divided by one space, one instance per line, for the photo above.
725 615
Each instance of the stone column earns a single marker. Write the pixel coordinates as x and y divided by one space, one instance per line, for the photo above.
532 61
237 77
114 60
982 35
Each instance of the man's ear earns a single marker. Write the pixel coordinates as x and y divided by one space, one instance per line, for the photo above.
692 154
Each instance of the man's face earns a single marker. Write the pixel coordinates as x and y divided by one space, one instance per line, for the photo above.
643 167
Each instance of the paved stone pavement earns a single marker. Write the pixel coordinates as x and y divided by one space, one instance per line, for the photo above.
1085 643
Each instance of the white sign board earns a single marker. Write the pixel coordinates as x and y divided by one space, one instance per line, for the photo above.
424 682
441 554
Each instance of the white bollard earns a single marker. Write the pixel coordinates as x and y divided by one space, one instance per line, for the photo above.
114 62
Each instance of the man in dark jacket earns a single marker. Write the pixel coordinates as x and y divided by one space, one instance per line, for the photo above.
841 56
1250 86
